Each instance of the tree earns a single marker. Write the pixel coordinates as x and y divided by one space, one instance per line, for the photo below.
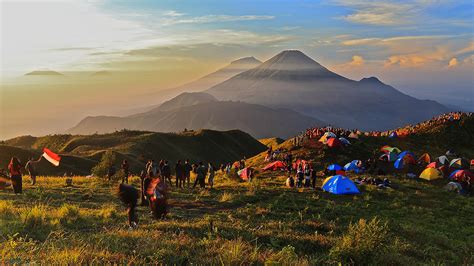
102 168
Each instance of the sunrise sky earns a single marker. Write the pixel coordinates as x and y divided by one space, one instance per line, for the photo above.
424 48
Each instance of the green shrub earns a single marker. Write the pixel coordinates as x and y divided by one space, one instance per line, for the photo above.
286 256
363 243
101 169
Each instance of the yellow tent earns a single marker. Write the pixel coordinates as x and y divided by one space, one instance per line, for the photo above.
431 174
323 139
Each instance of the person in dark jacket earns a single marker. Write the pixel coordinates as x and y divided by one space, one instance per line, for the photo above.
125 169
179 170
201 173
187 171
129 196
143 176
166 172
15 174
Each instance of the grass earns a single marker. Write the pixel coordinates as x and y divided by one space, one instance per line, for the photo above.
238 223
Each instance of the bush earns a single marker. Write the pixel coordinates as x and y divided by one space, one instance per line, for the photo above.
101 169
236 252
287 256
363 243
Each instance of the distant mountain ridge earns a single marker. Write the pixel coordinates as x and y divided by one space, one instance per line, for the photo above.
292 80
202 110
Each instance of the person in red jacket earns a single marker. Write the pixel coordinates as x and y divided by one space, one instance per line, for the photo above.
15 174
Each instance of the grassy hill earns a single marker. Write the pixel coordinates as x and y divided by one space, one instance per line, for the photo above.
262 222
81 152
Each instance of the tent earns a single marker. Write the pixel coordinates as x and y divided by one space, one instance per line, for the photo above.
393 134
340 185
353 135
461 175
431 174
245 173
459 163
402 154
334 143
404 160
389 157
390 149
450 153
443 159
433 165
353 166
344 141
327 179
277 165
323 139
424 158
330 135
335 167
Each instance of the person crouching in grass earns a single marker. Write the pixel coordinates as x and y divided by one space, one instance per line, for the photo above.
129 196
156 193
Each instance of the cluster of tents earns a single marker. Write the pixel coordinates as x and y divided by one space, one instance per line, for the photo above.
332 141
434 169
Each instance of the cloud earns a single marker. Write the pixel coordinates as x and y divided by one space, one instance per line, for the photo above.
384 13
179 19
387 41
453 62
357 60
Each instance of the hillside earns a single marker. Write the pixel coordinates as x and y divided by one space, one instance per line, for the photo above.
201 110
80 153
294 81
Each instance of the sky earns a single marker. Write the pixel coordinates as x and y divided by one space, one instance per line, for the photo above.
424 48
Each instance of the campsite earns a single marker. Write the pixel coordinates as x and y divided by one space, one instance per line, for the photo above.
416 220
204 132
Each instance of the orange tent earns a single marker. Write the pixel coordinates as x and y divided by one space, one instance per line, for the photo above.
424 158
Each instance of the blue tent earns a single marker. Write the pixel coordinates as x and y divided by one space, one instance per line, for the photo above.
403 153
398 163
340 185
352 166
334 167
393 134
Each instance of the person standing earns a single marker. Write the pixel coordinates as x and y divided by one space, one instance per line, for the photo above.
201 172
143 177
129 196
313 177
15 174
31 168
187 171
166 172
212 173
300 175
125 168
179 170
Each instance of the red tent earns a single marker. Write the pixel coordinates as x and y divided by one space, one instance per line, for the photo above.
432 165
334 142
275 166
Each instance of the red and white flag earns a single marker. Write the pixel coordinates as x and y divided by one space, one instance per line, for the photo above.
51 157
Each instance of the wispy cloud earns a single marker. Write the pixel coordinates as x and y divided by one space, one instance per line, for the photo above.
386 41
172 18
384 13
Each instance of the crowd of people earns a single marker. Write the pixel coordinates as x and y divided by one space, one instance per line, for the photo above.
318 132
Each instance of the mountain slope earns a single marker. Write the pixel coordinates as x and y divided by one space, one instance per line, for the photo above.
214 78
81 153
257 120
294 81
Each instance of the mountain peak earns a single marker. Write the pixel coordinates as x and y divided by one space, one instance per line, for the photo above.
372 80
246 60
293 57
